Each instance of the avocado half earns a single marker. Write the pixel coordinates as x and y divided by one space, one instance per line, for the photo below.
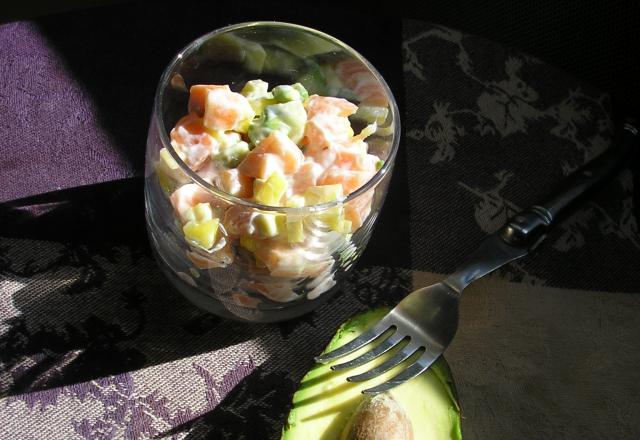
325 403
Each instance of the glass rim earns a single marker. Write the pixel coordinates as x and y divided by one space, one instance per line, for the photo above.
229 198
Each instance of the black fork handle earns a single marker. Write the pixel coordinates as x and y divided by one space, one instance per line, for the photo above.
527 229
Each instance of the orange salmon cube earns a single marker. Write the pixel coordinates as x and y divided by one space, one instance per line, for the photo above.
289 262
354 159
237 221
357 210
279 144
198 97
359 79
330 106
226 110
306 176
190 137
260 165
235 183
324 129
188 196
350 180
325 157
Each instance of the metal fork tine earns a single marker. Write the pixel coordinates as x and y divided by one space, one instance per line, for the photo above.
415 369
358 342
385 346
396 359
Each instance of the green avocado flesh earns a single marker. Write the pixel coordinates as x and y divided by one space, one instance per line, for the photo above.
325 402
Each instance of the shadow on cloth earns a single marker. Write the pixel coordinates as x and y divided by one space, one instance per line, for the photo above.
86 304
83 299
258 405
127 47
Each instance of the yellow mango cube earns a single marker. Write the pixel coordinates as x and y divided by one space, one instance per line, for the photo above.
295 201
203 212
248 242
168 160
168 170
345 227
265 224
166 182
202 233
332 218
315 195
257 184
271 191
295 231
199 213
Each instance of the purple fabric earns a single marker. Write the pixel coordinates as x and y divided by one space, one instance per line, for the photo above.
51 136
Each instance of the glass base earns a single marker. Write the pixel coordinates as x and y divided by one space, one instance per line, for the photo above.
236 312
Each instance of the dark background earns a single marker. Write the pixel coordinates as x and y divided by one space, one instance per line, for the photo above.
596 41
125 47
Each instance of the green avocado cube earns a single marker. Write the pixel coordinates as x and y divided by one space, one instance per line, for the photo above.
255 88
286 93
287 117
304 95
256 91
232 155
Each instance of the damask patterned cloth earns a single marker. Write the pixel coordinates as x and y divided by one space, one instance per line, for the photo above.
489 131
94 343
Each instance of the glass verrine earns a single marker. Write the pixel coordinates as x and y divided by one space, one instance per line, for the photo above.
267 263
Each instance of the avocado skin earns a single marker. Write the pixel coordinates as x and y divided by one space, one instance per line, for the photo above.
295 428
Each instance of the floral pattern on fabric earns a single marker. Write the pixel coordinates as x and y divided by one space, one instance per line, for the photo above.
96 345
494 129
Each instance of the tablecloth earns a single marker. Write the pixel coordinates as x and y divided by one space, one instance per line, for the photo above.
95 344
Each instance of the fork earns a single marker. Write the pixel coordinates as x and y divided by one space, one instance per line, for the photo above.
423 324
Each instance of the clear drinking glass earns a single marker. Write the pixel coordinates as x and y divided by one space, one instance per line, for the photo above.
241 277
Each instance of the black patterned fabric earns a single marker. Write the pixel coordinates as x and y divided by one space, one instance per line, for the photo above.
95 342
489 131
